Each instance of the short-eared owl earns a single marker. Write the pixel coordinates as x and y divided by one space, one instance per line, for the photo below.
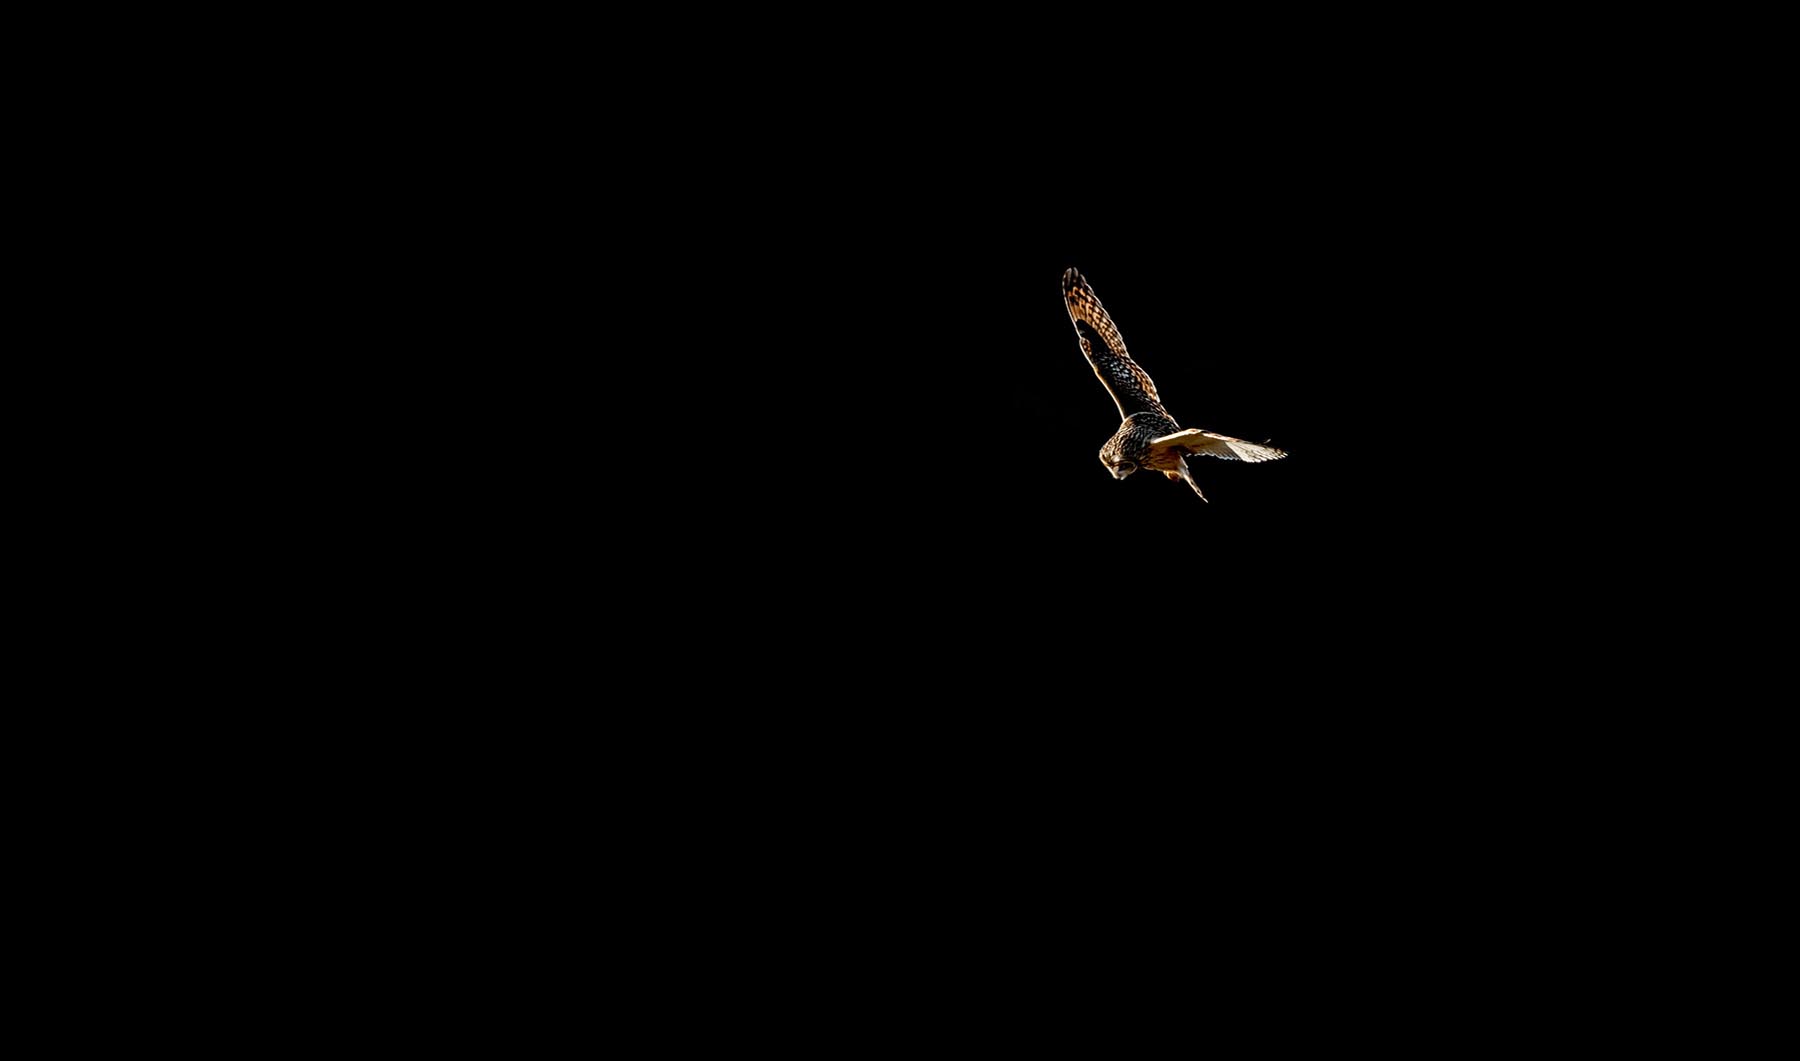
1149 437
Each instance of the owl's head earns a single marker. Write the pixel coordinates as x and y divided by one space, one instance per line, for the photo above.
1121 469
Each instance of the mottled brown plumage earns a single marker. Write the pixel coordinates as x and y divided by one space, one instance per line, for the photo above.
1149 437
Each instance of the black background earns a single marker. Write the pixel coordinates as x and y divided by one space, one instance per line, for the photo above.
920 431
810 370
805 595
847 443
861 630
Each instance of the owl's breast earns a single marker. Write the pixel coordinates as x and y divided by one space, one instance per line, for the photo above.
1132 442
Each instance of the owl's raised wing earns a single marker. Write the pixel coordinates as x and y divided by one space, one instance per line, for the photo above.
1131 387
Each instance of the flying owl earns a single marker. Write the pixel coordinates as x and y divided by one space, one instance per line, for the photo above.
1149 437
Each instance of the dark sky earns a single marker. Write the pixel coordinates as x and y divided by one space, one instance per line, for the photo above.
893 542
880 541
909 427
931 443
906 504
1370 271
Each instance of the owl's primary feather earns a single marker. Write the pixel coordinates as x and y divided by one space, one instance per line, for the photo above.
1149 437
1131 387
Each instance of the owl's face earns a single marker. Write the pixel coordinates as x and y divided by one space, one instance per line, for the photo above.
1121 469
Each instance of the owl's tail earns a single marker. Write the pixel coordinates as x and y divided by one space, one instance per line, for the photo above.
1189 477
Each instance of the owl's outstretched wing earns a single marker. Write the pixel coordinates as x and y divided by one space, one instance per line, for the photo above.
1206 444
1131 387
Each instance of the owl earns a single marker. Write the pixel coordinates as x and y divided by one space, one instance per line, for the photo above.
1149 438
